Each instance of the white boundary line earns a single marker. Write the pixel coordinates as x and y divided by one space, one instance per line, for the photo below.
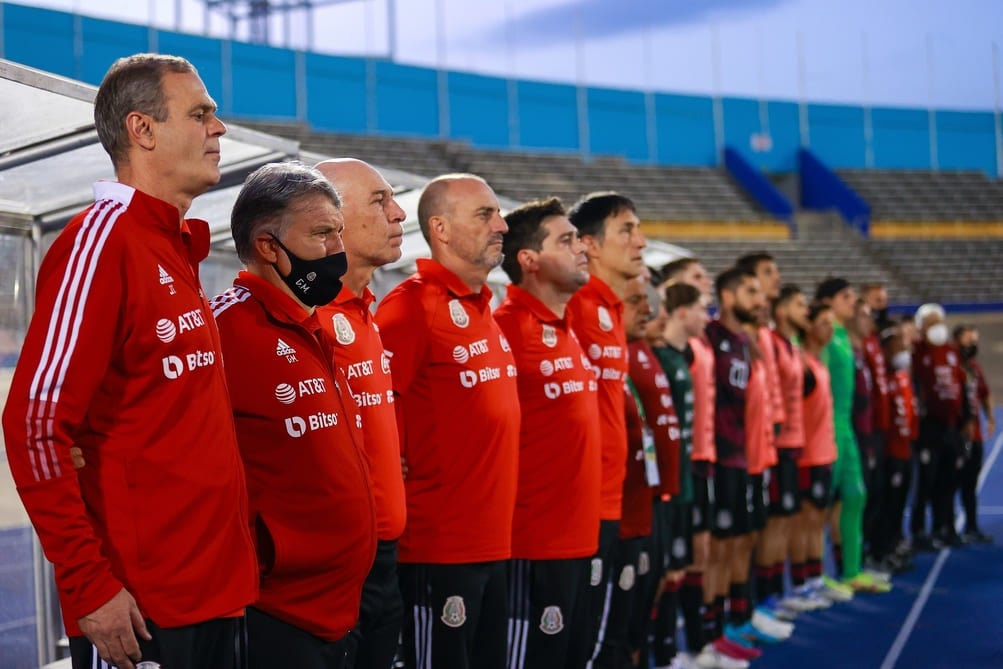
917 608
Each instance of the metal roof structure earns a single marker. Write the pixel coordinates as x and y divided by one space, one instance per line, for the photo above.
50 156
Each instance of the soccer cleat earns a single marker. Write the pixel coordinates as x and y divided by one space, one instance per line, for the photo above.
732 649
748 636
878 575
833 584
772 627
774 608
797 603
977 536
863 582
835 595
712 658
682 661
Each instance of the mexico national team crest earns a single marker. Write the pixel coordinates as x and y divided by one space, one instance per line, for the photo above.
343 330
552 620
454 612
549 336
458 314
605 320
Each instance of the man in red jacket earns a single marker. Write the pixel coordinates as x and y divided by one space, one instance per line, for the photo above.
608 224
458 416
557 507
298 427
122 361
372 239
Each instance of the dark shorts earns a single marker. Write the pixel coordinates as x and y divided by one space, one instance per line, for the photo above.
215 644
732 502
785 499
760 501
816 485
677 534
702 506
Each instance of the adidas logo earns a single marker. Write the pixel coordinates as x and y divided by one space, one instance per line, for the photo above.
282 349
165 278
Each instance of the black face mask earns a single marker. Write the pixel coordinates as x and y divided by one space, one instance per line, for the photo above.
314 282
969 352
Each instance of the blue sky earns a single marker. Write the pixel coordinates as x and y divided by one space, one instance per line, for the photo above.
876 52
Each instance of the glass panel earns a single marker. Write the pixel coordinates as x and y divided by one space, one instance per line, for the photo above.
57 182
65 181
17 587
30 115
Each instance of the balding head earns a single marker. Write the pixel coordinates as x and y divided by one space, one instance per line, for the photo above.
344 169
435 199
373 219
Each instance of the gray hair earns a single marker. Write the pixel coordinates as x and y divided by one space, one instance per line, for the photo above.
266 196
134 83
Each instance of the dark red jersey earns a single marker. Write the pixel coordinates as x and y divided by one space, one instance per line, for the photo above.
977 391
731 375
905 421
880 400
659 412
940 382
637 494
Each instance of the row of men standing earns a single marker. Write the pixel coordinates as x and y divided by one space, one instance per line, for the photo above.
283 452
187 461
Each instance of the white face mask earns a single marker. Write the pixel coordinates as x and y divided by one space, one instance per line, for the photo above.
901 360
937 334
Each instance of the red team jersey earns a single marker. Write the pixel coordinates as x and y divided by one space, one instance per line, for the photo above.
764 339
649 380
880 400
759 420
904 420
361 358
595 314
638 496
704 396
940 382
557 505
458 417
977 391
300 436
791 371
122 360
819 428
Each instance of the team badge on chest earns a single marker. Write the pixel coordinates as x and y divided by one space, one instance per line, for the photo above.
458 314
549 336
605 320
343 330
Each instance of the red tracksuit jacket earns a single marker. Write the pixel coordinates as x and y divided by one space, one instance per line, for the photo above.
122 360
300 435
